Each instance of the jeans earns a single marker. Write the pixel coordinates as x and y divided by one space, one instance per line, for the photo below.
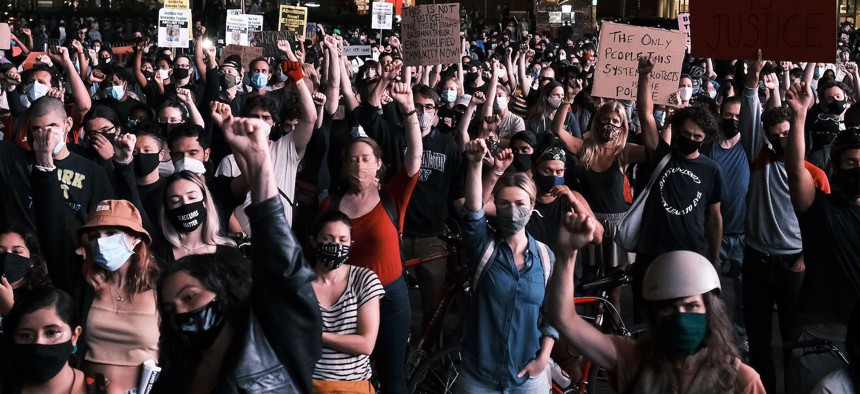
640 308
468 384
431 274
767 279
389 355
732 258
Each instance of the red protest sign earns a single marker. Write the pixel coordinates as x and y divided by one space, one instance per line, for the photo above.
797 30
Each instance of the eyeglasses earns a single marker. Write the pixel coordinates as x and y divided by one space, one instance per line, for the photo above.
103 131
426 107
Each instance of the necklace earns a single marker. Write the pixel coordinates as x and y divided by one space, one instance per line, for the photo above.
74 380
192 250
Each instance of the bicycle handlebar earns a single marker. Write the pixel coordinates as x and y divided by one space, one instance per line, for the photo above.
608 283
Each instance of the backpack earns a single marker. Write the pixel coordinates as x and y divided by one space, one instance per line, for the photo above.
490 255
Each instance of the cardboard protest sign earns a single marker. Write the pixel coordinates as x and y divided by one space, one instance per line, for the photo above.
383 16
246 53
268 40
294 19
5 36
616 73
237 30
356 50
177 4
684 25
122 52
431 34
796 30
31 59
255 23
174 28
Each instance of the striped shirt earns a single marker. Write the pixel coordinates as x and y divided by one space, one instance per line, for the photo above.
342 319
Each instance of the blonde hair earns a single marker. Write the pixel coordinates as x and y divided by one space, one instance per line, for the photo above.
518 180
210 227
591 146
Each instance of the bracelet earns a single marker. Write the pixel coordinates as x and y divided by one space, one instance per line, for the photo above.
45 169
498 173
410 113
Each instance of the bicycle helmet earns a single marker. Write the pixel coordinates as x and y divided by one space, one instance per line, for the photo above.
845 140
679 274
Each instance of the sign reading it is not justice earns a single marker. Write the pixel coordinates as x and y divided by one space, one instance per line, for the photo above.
617 71
431 34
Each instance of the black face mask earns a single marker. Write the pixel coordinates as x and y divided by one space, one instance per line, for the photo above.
848 182
332 254
167 128
522 162
180 73
685 145
471 77
837 107
187 218
200 328
39 363
776 146
145 163
731 128
148 74
15 267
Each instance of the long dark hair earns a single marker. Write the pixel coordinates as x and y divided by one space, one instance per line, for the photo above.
34 300
230 280
105 112
37 276
721 355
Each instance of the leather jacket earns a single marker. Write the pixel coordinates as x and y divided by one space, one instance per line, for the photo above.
277 346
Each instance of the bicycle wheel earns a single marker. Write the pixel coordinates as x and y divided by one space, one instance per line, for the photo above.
437 374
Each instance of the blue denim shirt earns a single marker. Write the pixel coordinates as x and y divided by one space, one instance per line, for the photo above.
505 324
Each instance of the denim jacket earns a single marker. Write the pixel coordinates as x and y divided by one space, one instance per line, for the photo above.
505 325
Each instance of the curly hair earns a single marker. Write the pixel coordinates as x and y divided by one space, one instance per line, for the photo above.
700 116
37 276
775 116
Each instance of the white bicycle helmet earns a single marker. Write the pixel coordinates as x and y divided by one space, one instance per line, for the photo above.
679 274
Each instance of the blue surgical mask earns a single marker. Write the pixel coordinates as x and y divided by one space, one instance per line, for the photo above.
116 92
259 80
547 182
449 95
36 91
111 252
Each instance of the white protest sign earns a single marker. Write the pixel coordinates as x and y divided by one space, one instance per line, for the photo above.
356 50
255 23
237 30
431 34
234 12
684 25
383 15
174 28
621 46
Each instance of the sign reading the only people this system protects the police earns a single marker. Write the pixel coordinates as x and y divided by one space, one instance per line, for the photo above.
621 46
431 34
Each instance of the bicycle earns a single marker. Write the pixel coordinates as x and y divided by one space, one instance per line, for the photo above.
448 319
588 376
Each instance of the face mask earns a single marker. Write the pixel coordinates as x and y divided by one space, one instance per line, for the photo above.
259 80
180 73
332 255
148 74
164 74
111 252
777 145
512 219
77 65
36 91
39 363
547 182
96 49
817 73
685 145
425 120
730 128
187 218
836 107
116 92
712 94
201 327
15 266
189 164
610 132
145 163
683 333
449 95
229 80
522 162
685 93
554 103
500 104
848 182
471 77
106 60
281 77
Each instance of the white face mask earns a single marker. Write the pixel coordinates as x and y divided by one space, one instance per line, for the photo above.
425 121
500 104
712 94
164 73
685 93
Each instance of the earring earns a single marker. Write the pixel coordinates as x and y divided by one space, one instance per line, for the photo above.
74 349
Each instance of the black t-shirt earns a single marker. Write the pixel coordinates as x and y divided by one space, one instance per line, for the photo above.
604 191
544 224
469 89
674 217
438 184
82 182
122 108
831 286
